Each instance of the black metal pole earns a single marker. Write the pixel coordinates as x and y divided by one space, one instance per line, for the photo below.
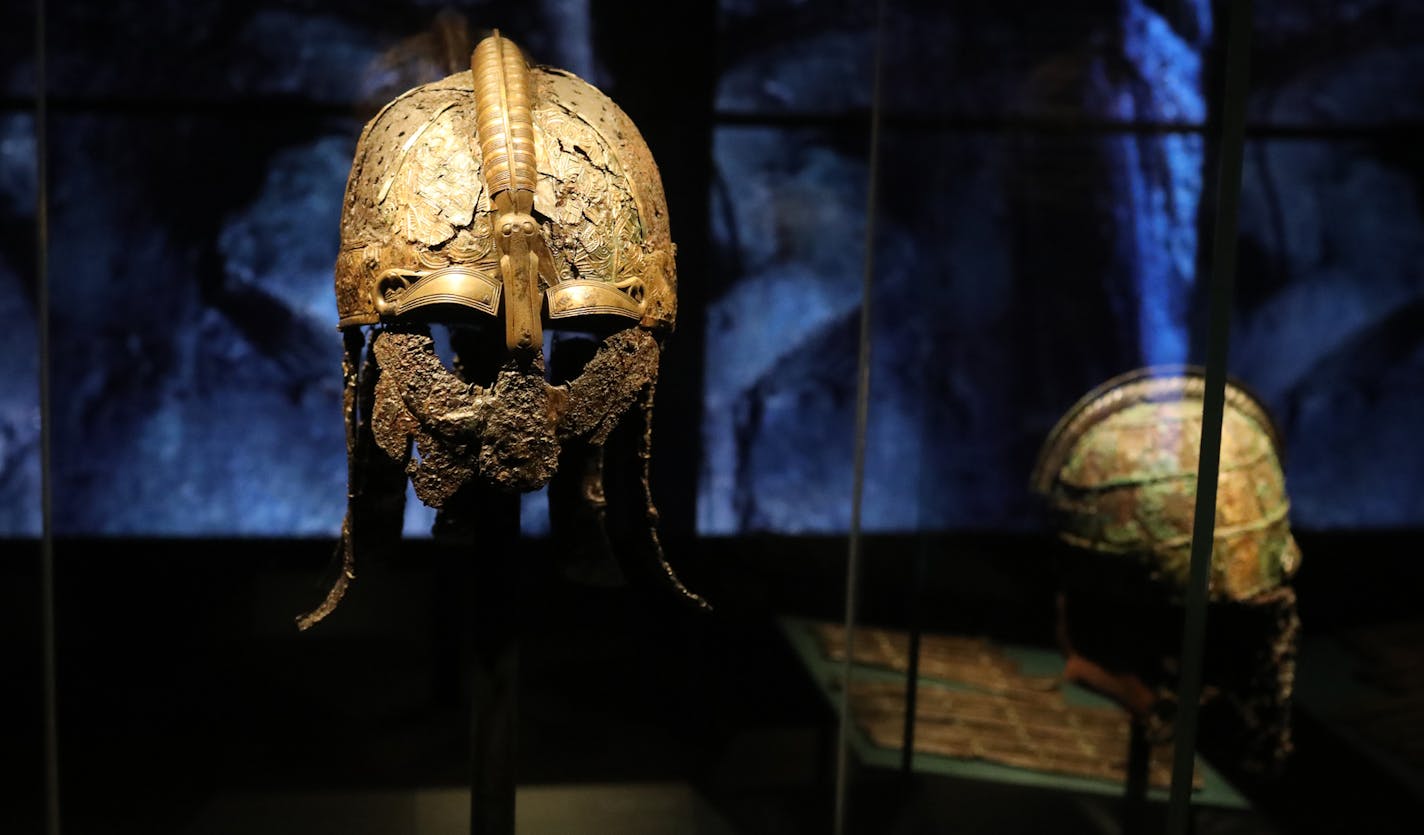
1223 266
42 309
912 666
494 668
1134 795
862 419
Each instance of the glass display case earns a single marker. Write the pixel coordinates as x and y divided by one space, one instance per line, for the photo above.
954 322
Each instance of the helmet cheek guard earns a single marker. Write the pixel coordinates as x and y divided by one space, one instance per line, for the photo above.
505 193
1118 475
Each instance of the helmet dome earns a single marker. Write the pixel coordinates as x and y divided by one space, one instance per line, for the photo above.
1119 473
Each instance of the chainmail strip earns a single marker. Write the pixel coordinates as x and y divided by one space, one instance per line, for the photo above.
1047 736
974 703
972 661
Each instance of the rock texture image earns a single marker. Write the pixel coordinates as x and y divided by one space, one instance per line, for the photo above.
19 340
191 347
1008 264
1036 232
1340 360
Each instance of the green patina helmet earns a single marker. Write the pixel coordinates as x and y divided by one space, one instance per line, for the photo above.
1119 474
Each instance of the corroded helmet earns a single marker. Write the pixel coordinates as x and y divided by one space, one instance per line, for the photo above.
500 202
1119 473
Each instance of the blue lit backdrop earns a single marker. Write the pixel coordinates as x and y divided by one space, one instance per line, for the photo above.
19 366
1036 233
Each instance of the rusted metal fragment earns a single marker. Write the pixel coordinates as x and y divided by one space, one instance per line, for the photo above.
418 399
375 478
645 456
1265 704
353 341
504 435
626 363
519 449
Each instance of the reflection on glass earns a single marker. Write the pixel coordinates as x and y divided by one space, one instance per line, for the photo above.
19 339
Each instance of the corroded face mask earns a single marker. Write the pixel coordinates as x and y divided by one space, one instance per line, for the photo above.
498 203
1119 473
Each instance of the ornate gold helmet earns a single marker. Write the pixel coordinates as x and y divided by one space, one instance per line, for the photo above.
504 193
505 190
1118 473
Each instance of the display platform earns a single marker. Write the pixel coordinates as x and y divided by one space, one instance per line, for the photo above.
1033 665
631 808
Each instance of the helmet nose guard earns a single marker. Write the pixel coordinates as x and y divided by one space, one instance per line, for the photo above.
506 134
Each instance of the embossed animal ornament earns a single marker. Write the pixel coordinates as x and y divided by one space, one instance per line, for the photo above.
1118 473
505 193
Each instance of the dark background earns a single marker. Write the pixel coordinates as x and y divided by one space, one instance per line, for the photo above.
1038 230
